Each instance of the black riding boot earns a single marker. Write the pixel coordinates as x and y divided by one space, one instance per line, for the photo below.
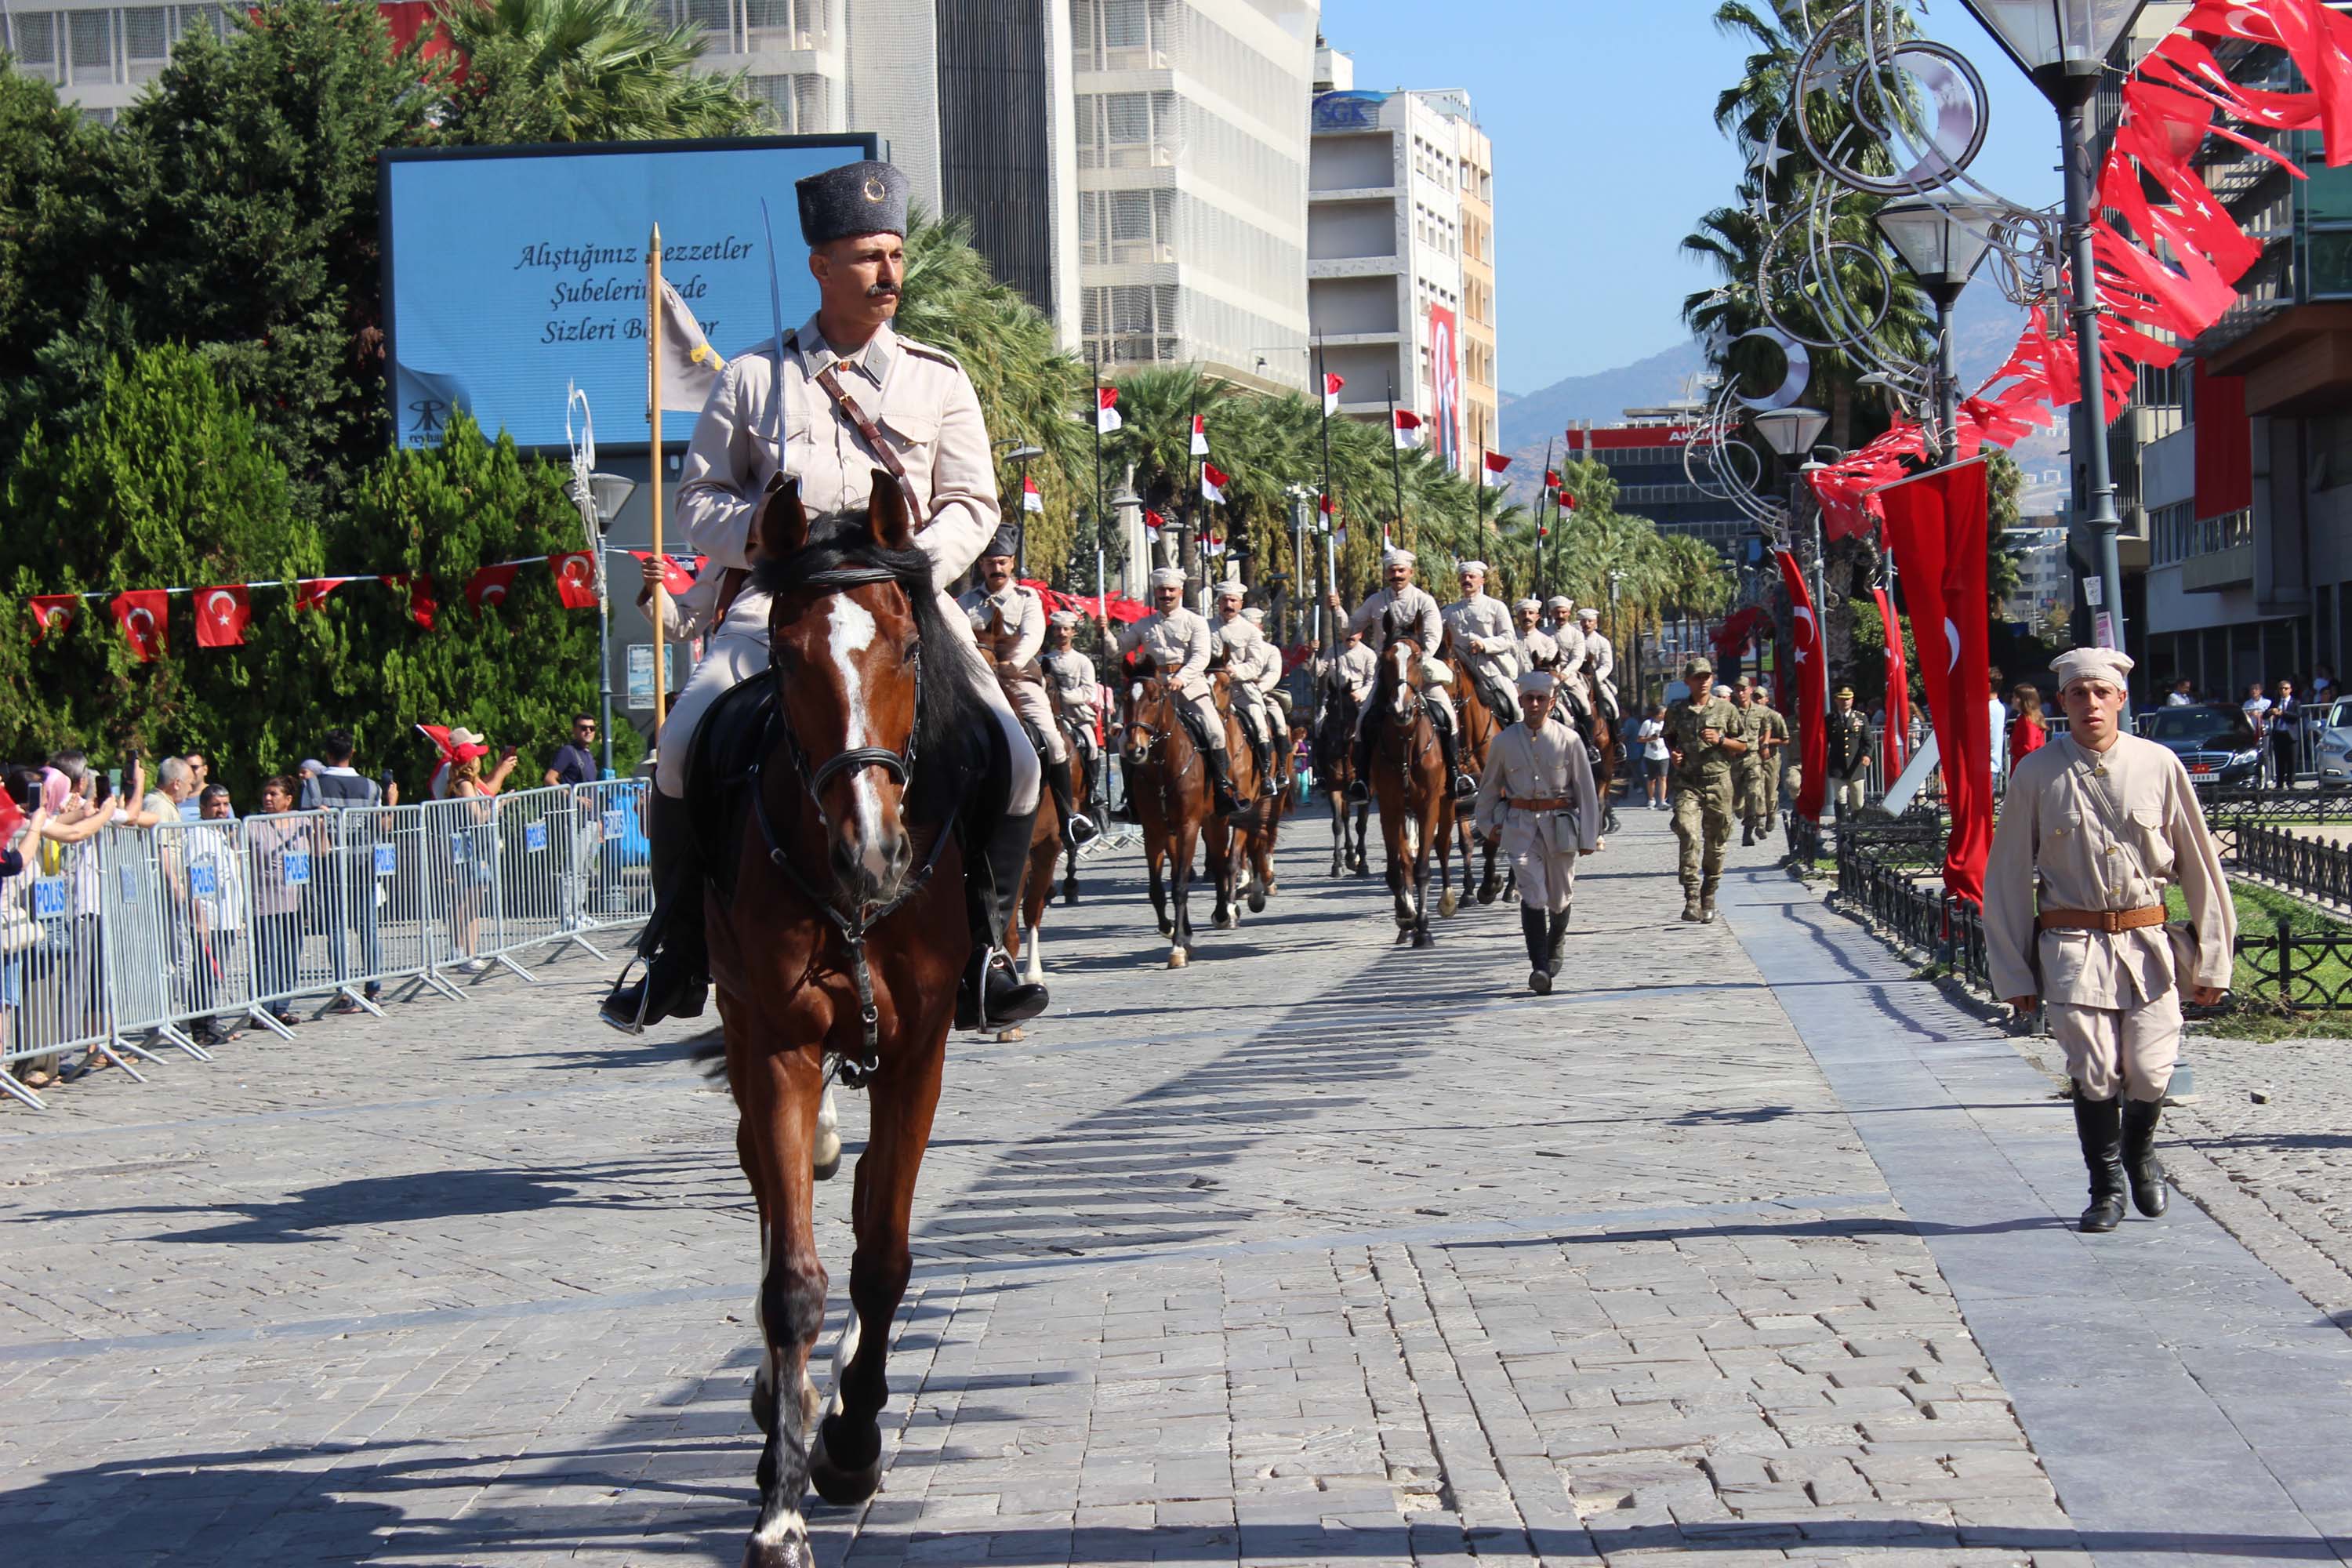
1533 926
2099 1126
1460 783
1359 787
1263 750
1126 812
991 997
1556 941
1077 828
1220 780
2147 1189
676 978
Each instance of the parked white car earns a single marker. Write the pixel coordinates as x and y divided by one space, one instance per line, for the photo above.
2335 753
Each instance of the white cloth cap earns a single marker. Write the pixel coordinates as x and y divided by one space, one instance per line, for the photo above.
1537 680
1528 603
1168 577
2090 663
1588 613
1477 566
1392 556
1560 602
1229 590
1254 615
1063 618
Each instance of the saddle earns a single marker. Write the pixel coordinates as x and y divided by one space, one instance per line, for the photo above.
719 785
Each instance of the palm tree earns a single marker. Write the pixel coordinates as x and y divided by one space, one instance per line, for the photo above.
586 71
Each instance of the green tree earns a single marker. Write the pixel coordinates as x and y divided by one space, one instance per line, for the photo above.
587 71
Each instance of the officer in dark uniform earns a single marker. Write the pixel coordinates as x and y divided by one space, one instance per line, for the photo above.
1849 753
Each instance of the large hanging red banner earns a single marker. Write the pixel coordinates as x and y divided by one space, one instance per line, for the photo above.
1898 743
1936 526
1812 688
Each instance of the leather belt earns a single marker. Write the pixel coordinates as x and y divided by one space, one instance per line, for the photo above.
2108 921
1552 803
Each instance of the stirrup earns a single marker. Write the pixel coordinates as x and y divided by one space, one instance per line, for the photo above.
635 1024
1079 828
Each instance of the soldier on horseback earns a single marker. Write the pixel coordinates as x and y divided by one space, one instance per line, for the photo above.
1405 610
1600 660
1070 676
1253 667
1008 621
1536 650
835 400
1485 641
1180 643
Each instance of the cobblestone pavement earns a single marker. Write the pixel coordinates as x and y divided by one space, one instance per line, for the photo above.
1320 1251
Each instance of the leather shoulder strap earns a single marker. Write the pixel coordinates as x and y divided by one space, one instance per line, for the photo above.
883 453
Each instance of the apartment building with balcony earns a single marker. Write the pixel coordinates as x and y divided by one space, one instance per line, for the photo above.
1401 260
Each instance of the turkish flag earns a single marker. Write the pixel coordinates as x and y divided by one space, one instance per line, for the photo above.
53 613
141 616
675 578
1812 683
575 578
1200 436
310 593
489 586
1551 478
1566 501
1032 499
1936 523
1152 523
1898 685
420 594
222 613
1331 386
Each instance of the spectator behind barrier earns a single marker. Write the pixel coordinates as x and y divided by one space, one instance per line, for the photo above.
273 847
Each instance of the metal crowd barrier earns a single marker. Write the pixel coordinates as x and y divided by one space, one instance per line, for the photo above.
147 939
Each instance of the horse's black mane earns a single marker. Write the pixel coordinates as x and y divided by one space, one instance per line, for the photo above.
952 719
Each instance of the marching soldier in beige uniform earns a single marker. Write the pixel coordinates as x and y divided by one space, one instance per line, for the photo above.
1179 644
1405 609
2093 826
1485 641
1537 795
1703 737
1008 621
1253 669
1070 676
838 397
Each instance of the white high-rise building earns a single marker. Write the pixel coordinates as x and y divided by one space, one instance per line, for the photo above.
1401 265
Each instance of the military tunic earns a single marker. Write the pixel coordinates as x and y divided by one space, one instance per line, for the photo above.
1010 628
1488 647
1420 619
1601 658
1179 644
1849 759
1702 783
2097 831
1071 678
923 405
1537 649
1540 765
1253 669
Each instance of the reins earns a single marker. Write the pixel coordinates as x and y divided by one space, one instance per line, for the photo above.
853 928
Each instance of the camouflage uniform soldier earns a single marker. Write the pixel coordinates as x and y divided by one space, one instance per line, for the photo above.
1747 773
1703 738
1773 739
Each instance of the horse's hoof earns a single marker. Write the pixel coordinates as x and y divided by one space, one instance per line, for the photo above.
1423 938
1176 958
1273 886
844 1487
790 1552
1006 1036
828 1154
1257 899
1487 889
1448 902
1166 928
1225 922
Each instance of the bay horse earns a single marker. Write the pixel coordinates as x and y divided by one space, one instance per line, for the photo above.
1478 725
1241 847
1169 789
1603 740
1334 769
1409 780
1047 845
838 928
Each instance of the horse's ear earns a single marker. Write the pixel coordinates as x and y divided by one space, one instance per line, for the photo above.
887 517
781 526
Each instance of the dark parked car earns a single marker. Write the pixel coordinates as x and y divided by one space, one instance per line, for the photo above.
2216 744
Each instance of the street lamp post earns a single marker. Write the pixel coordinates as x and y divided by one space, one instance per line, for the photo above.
2061 46
1022 453
1942 244
607 494
1791 432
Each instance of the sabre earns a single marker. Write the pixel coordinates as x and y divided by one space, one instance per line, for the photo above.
776 311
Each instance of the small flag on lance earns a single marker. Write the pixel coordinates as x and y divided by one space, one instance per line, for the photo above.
1107 415
1408 429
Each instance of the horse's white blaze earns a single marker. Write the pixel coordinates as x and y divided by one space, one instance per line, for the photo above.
843 1350
1402 700
852 632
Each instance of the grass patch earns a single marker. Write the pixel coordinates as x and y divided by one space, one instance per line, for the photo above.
2258 1015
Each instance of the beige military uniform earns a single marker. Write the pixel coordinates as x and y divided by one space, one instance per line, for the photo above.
1540 765
1748 771
1569 638
733 650
1071 678
1488 645
1022 621
1702 783
1537 650
1424 624
1254 669
2097 831
1180 643
1601 658
1353 670
922 403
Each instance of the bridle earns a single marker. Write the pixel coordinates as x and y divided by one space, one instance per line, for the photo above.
900 765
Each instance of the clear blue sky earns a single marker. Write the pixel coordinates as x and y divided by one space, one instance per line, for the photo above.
1605 151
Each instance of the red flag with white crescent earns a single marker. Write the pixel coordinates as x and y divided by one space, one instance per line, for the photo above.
1812 684
1331 386
1898 685
675 578
1200 436
310 593
1213 482
419 587
53 613
575 578
1107 417
1935 524
141 616
222 614
489 586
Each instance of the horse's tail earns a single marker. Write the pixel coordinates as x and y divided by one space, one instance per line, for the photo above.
707 1054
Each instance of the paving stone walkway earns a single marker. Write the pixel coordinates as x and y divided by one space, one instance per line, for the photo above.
1320 1251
